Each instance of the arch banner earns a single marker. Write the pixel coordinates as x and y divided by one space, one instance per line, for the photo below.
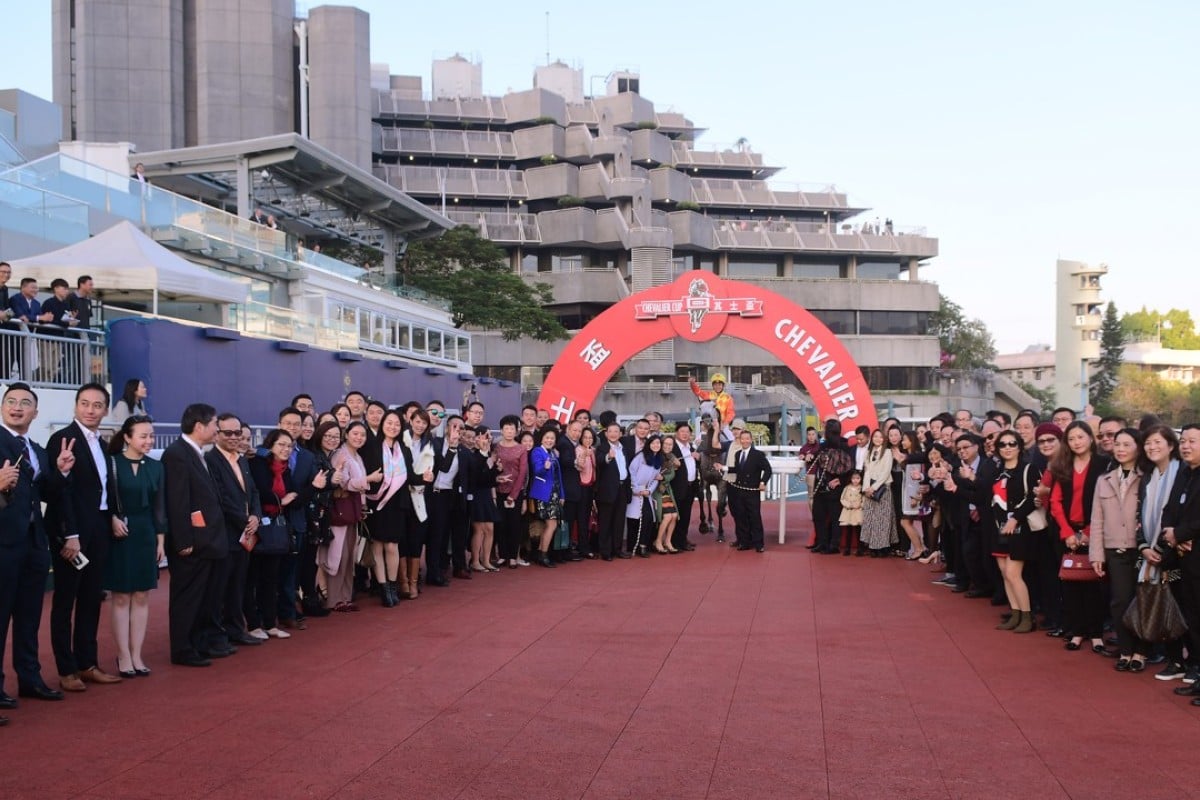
699 307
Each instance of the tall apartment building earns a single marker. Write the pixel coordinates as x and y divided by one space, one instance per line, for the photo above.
1079 315
605 195
600 196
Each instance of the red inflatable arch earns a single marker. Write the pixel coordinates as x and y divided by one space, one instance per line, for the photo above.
699 307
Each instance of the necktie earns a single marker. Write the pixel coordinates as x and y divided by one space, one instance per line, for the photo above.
742 459
24 445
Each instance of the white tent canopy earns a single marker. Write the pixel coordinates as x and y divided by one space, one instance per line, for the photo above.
123 259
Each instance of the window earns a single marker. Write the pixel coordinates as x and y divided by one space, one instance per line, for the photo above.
878 270
743 267
1037 374
893 323
529 262
807 270
839 321
1020 374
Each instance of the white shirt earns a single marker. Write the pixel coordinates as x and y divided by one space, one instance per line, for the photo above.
98 458
689 463
30 453
445 480
619 456
199 450
860 457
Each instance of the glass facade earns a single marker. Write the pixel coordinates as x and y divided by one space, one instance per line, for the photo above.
392 334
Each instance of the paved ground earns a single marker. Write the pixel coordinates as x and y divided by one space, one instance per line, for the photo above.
715 674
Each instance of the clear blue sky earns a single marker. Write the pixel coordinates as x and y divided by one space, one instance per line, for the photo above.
1017 132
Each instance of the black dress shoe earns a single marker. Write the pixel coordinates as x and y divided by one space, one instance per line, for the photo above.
574 557
1100 649
743 547
437 582
245 639
607 558
1055 633
190 660
720 538
959 589
975 594
624 555
221 652
760 549
3 721
40 692
688 546
1072 646
7 702
1188 691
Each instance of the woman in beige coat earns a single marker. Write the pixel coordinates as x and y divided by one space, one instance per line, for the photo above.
1113 547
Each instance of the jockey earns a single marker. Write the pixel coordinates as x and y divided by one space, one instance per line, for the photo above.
721 400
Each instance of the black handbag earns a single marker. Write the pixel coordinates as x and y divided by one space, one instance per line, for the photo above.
274 535
1153 615
877 493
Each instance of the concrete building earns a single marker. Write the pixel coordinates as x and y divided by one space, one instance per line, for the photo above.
599 196
1034 366
1037 365
1079 314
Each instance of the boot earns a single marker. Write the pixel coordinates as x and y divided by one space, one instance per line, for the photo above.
1014 620
1027 625
387 594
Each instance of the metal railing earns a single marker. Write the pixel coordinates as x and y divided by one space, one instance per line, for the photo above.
728 155
435 142
499 226
421 180
47 356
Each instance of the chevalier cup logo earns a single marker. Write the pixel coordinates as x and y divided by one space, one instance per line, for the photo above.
697 304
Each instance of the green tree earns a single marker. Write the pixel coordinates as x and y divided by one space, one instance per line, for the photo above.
1045 397
1142 391
966 343
1112 352
1175 329
473 274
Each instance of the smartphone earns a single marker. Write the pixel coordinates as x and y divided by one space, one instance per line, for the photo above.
79 561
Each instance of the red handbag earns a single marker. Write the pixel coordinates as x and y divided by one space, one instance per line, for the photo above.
1075 566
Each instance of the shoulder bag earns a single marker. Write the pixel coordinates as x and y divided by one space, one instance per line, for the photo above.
274 534
1076 567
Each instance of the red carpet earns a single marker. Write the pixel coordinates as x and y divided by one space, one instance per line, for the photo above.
714 674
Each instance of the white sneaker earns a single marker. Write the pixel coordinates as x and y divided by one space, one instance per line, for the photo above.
279 633
522 562
259 633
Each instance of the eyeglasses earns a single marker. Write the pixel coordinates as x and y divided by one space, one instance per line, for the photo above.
13 402
1103 435
991 437
1007 444
1047 440
433 412
960 448
237 432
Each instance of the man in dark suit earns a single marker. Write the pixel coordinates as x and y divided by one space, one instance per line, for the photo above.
298 572
9 344
685 485
241 512
612 493
24 551
972 486
79 521
446 504
1181 529
751 471
573 515
634 442
195 533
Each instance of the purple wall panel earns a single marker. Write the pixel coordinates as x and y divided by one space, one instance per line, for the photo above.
254 378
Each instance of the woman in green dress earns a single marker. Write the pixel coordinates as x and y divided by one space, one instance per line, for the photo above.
136 498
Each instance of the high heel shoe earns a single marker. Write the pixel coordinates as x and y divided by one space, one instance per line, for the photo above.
132 673
477 568
659 550
672 550
933 558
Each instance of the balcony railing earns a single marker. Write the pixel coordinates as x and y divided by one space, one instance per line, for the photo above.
46 356
499 226
433 142
481 109
759 194
454 181
719 156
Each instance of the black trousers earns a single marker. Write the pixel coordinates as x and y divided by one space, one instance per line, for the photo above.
1122 586
190 577
975 555
212 634
446 512
1188 596
1049 587
826 508
23 568
684 502
262 591
746 507
611 519
585 543
511 531
641 531
78 595
1083 608
233 615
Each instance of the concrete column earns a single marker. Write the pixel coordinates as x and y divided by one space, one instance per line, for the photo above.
851 267
913 269
723 264
244 208
389 257
789 262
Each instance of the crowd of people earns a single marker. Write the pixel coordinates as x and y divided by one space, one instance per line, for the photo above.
360 501
1061 522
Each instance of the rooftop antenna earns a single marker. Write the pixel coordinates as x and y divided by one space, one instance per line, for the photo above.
547 38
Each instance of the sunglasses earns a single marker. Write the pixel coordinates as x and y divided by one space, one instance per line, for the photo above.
238 432
1007 444
435 413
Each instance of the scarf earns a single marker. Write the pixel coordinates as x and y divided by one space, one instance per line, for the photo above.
395 475
422 462
1158 490
277 487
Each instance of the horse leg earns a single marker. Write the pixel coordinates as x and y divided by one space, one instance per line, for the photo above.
705 514
722 504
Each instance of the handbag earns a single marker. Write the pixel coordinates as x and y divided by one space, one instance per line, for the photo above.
1076 567
877 493
1153 615
1036 520
347 508
274 534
